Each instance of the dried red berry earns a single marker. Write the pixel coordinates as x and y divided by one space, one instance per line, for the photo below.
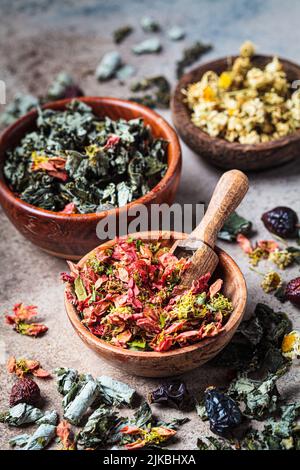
282 221
292 292
24 391
72 91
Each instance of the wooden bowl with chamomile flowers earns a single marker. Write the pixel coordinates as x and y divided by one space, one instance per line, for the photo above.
180 360
70 236
220 152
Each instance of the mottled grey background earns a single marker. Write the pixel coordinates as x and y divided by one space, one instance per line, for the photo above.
39 39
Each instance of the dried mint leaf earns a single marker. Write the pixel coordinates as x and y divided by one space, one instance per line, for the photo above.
159 91
108 66
149 24
234 225
21 414
75 158
115 393
100 428
75 410
212 443
122 33
149 46
191 55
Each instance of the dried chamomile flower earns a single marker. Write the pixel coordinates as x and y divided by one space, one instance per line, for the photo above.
271 282
282 258
245 103
247 49
290 347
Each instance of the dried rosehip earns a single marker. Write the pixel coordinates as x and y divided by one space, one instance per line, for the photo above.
24 391
72 91
282 221
174 394
222 411
292 291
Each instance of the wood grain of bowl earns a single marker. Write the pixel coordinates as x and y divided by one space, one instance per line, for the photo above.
178 361
220 152
71 236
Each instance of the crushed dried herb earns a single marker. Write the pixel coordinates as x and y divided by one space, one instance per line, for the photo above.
235 225
130 298
190 55
158 92
20 320
75 158
22 367
122 33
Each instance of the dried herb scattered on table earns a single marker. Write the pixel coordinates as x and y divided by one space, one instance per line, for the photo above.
42 437
158 92
21 414
22 315
245 104
149 24
190 55
63 86
66 436
75 158
108 66
269 250
149 46
127 296
235 225
115 393
257 343
122 33
22 367
144 430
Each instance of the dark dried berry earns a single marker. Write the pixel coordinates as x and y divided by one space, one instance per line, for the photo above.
174 394
72 91
292 291
25 391
222 411
282 221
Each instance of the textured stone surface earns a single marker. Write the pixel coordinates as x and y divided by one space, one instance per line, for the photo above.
40 38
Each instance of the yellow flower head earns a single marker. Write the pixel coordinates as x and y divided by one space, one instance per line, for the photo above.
290 347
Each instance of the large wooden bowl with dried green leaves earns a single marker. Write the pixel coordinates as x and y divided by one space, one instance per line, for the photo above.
70 236
220 152
176 361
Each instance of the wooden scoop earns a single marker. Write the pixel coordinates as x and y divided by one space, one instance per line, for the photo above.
200 244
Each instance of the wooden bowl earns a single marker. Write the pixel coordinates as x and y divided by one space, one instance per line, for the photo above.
220 152
71 236
178 361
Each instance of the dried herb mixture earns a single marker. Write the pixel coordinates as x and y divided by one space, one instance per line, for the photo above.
75 162
245 103
127 296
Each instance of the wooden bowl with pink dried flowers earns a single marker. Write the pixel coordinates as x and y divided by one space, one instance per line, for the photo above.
175 361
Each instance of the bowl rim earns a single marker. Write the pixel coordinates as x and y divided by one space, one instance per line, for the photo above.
175 158
178 106
100 344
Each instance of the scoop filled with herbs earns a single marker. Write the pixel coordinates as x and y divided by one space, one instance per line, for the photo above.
126 295
76 162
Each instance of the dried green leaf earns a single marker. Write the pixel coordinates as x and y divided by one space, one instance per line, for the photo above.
234 225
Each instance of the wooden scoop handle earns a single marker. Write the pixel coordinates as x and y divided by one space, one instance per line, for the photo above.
227 195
